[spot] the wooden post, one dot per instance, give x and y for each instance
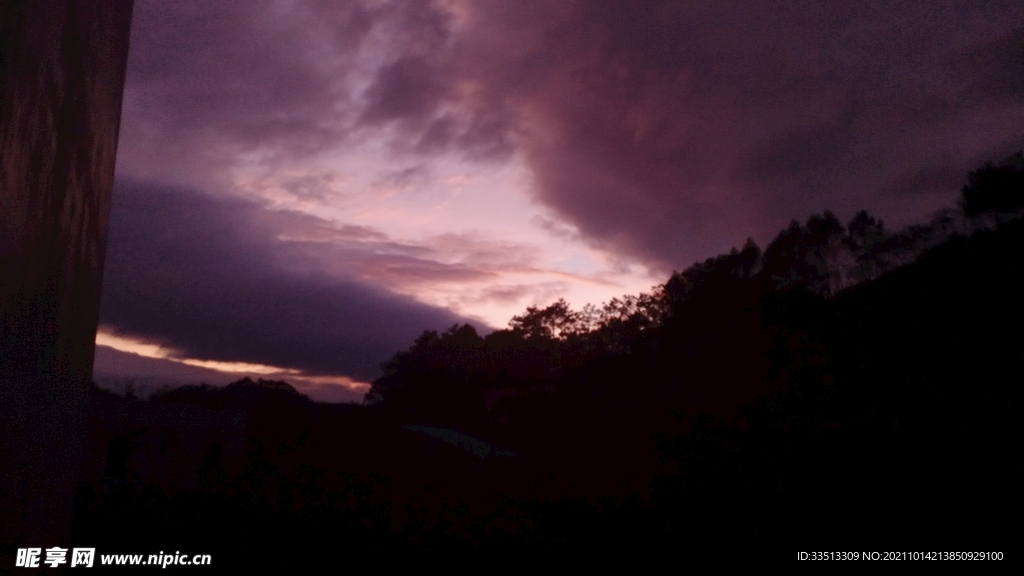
(62, 68)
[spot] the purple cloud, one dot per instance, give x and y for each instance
(206, 276)
(662, 131)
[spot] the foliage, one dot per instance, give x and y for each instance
(556, 322)
(744, 399)
(808, 255)
(995, 189)
(711, 314)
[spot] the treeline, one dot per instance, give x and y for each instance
(849, 354)
(705, 319)
(846, 385)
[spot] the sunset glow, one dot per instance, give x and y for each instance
(310, 384)
(304, 188)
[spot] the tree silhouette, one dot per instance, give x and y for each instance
(437, 381)
(557, 321)
(864, 235)
(714, 274)
(807, 256)
(825, 246)
(732, 403)
(995, 189)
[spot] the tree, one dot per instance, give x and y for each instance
(556, 322)
(711, 275)
(437, 381)
(807, 255)
(995, 189)
(865, 235)
(825, 245)
(783, 257)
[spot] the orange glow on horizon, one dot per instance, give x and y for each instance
(301, 380)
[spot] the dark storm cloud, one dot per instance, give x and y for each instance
(402, 89)
(667, 130)
(207, 277)
(673, 130)
(994, 69)
(929, 179)
(209, 80)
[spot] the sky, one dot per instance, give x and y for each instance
(303, 187)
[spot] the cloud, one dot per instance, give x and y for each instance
(208, 81)
(208, 277)
(115, 369)
(928, 179)
(665, 131)
(404, 88)
(402, 179)
(672, 131)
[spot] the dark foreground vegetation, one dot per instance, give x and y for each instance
(847, 387)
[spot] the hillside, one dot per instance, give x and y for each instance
(735, 410)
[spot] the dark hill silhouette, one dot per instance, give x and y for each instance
(847, 386)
